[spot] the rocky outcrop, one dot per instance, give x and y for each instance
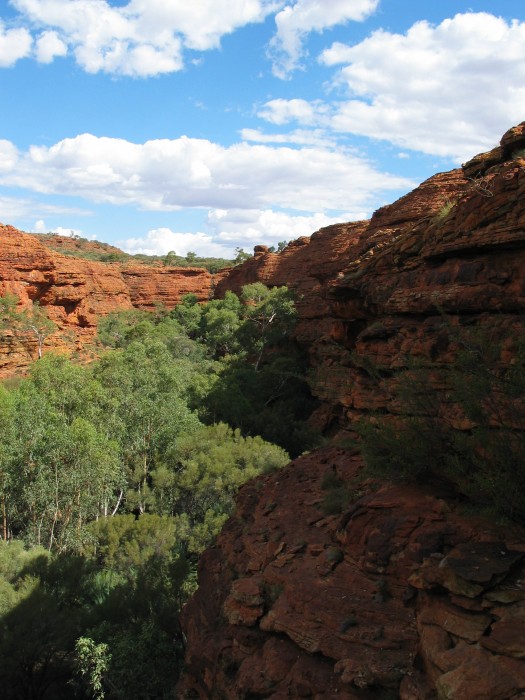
(401, 595)
(398, 596)
(75, 292)
(377, 291)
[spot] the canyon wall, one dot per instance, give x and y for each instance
(76, 292)
(451, 253)
(404, 594)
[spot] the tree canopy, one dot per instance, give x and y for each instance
(114, 476)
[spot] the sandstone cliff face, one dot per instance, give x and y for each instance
(379, 290)
(398, 597)
(75, 293)
(402, 595)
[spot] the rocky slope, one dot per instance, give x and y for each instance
(378, 291)
(402, 595)
(75, 292)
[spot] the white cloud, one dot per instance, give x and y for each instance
(162, 240)
(16, 208)
(447, 90)
(49, 46)
(232, 228)
(164, 175)
(8, 156)
(41, 227)
(297, 20)
(14, 44)
(300, 137)
(281, 111)
(252, 227)
(143, 37)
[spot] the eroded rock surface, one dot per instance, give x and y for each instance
(400, 593)
(395, 290)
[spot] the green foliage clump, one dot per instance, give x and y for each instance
(201, 474)
(30, 326)
(445, 210)
(116, 475)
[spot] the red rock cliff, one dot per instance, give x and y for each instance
(400, 596)
(76, 292)
(378, 289)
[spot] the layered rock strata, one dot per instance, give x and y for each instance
(452, 252)
(75, 293)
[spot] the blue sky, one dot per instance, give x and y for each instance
(161, 125)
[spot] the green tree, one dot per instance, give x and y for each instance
(201, 474)
(92, 661)
(64, 463)
(8, 304)
(269, 317)
(188, 313)
(149, 409)
(7, 430)
(467, 429)
(171, 258)
(240, 256)
(220, 324)
(114, 328)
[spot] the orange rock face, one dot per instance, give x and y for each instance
(75, 293)
(378, 290)
(400, 595)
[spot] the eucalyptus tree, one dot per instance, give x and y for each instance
(149, 409)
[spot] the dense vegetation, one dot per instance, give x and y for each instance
(113, 477)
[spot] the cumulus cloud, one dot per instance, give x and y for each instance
(297, 20)
(8, 155)
(281, 111)
(160, 241)
(251, 227)
(300, 137)
(15, 44)
(41, 227)
(228, 229)
(141, 38)
(447, 90)
(165, 175)
(49, 46)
